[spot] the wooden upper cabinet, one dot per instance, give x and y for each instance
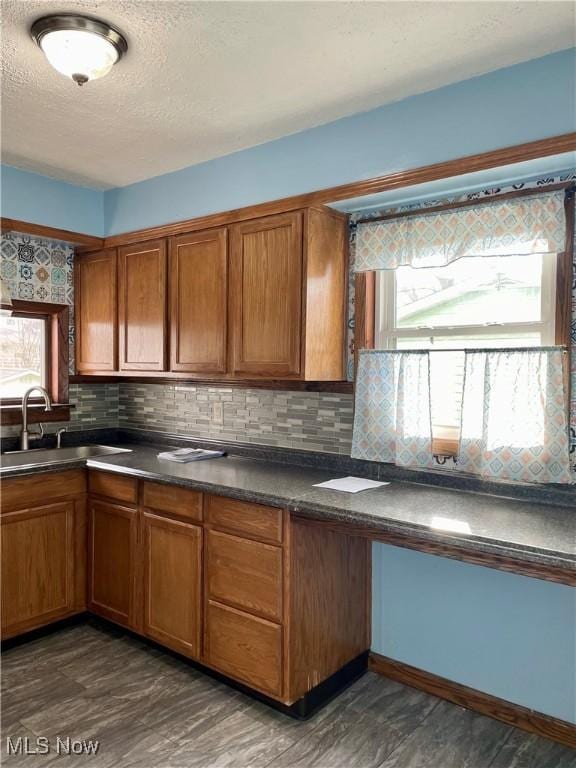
(96, 312)
(326, 259)
(259, 299)
(142, 306)
(266, 267)
(198, 299)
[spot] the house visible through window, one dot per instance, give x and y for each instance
(474, 302)
(23, 354)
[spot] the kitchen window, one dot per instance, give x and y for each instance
(34, 352)
(439, 292)
(23, 354)
(475, 302)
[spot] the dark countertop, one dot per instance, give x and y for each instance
(537, 532)
(533, 532)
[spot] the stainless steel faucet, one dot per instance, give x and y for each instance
(24, 435)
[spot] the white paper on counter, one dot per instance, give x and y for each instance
(350, 484)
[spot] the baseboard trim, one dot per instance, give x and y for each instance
(484, 703)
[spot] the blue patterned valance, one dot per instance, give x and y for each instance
(511, 227)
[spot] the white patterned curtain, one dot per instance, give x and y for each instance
(514, 421)
(511, 227)
(392, 421)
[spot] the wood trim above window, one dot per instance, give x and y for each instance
(57, 374)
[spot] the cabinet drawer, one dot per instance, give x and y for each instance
(246, 574)
(113, 486)
(253, 520)
(21, 492)
(247, 648)
(172, 499)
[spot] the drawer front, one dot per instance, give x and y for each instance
(245, 574)
(174, 500)
(245, 519)
(113, 486)
(244, 647)
(21, 492)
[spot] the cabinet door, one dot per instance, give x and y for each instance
(37, 566)
(96, 312)
(172, 583)
(198, 296)
(142, 306)
(266, 295)
(112, 561)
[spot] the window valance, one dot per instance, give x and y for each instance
(511, 227)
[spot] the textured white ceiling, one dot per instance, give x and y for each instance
(203, 79)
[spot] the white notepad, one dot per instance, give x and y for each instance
(350, 484)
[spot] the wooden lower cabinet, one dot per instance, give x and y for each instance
(275, 603)
(43, 550)
(244, 647)
(112, 557)
(172, 583)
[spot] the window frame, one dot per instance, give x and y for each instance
(365, 329)
(57, 357)
(386, 331)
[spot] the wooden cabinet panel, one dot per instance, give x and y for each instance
(326, 239)
(199, 296)
(113, 561)
(113, 486)
(96, 312)
(25, 491)
(173, 500)
(245, 574)
(266, 296)
(329, 608)
(256, 521)
(247, 648)
(38, 559)
(142, 306)
(172, 583)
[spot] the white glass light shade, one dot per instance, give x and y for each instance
(79, 47)
(79, 54)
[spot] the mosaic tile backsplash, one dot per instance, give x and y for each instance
(307, 420)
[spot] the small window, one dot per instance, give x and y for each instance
(23, 354)
(447, 308)
(33, 352)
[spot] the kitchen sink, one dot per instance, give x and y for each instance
(38, 457)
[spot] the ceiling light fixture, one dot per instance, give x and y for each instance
(79, 47)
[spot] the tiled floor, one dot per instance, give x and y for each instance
(149, 710)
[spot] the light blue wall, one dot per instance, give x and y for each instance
(38, 199)
(523, 103)
(511, 636)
